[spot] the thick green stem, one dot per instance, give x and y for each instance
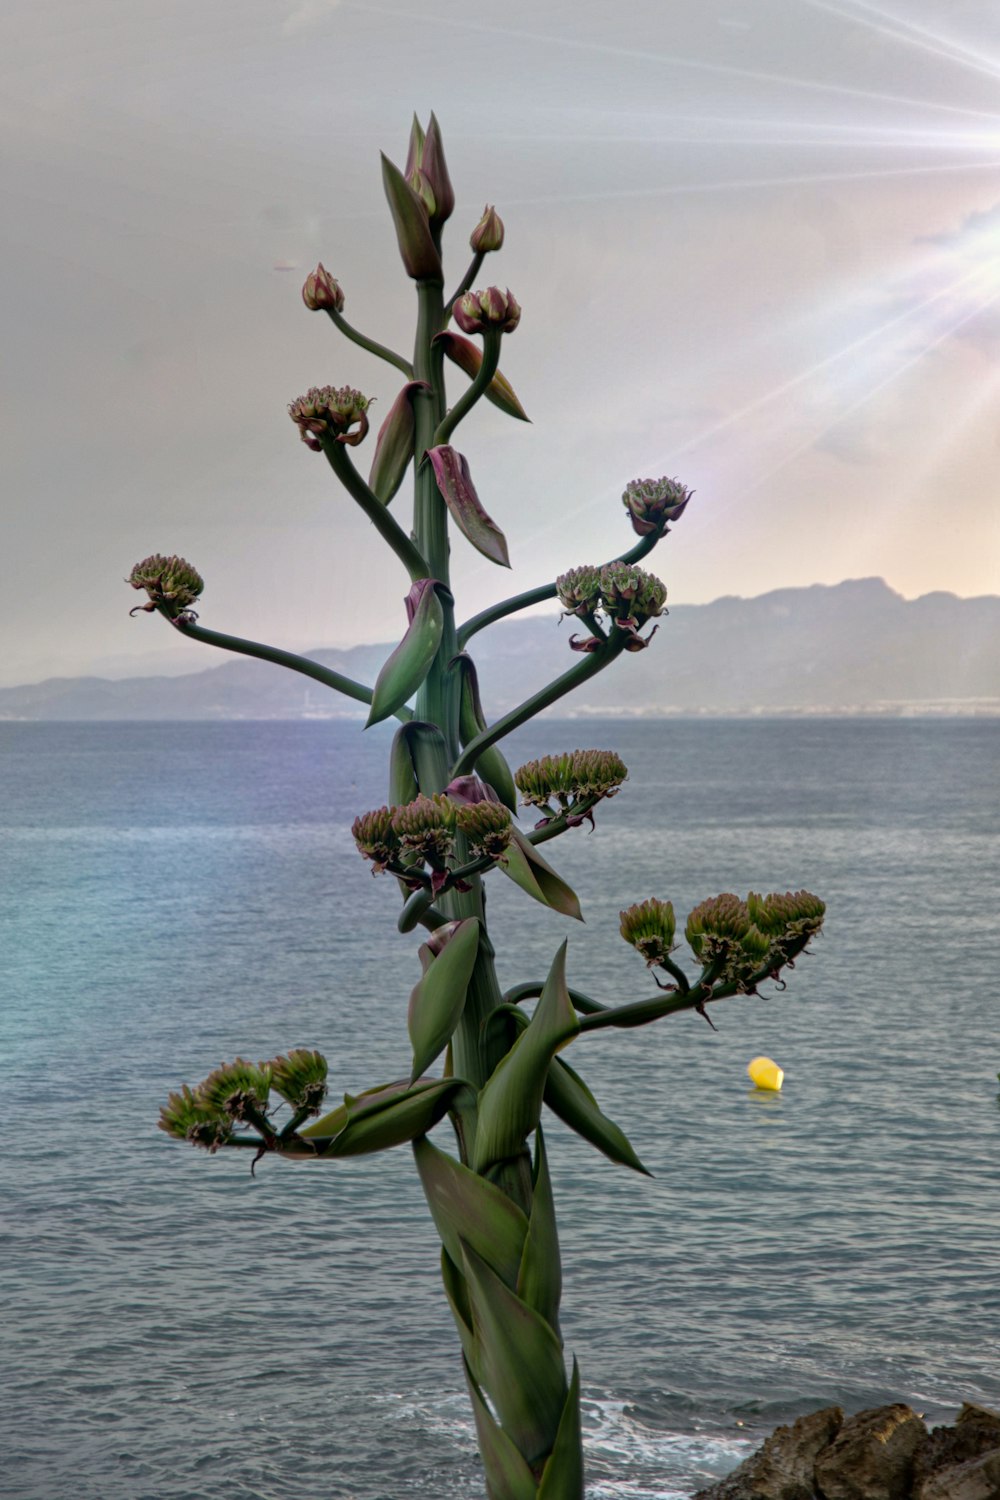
(313, 669)
(538, 596)
(478, 387)
(532, 988)
(580, 672)
(380, 350)
(387, 526)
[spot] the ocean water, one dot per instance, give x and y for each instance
(173, 895)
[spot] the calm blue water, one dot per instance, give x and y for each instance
(175, 894)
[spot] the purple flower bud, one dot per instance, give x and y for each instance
(488, 233)
(491, 308)
(322, 291)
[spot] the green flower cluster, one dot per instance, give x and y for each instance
(628, 595)
(238, 1092)
(743, 940)
(649, 926)
(422, 832)
(171, 583)
(570, 783)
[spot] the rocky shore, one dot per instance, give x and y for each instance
(884, 1453)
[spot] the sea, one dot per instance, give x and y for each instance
(176, 894)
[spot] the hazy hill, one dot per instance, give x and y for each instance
(854, 647)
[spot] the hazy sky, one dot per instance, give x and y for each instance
(757, 245)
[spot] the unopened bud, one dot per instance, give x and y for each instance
(794, 914)
(488, 233)
(237, 1090)
(476, 311)
(649, 927)
(569, 778)
(188, 1118)
(375, 837)
(487, 827)
(300, 1078)
(426, 826)
(322, 291)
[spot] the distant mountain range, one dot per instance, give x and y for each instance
(853, 647)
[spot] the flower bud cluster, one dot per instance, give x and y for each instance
(653, 502)
(237, 1090)
(487, 827)
(171, 583)
(237, 1093)
(187, 1118)
(628, 595)
(300, 1078)
(423, 832)
(476, 311)
(649, 926)
(741, 940)
(322, 291)
(330, 411)
(571, 783)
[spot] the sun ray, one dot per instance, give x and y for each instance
(911, 35)
(810, 442)
(798, 179)
(721, 70)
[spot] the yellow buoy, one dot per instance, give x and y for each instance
(765, 1074)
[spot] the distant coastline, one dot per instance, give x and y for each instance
(853, 649)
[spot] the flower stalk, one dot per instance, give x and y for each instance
(479, 1060)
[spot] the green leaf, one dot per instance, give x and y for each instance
(384, 1117)
(466, 1207)
(520, 1360)
(413, 232)
(568, 1096)
(510, 1102)
(418, 761)
(539, 1281)
(507, 1475)
(562, 1477)
(491, 765)
(395, 444)
(409, 664)
(533, 874)
(468, 356)
(457, 1292)
(438, 999)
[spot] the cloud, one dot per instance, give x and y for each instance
(308, 13)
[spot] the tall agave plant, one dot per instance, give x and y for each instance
(483, 1059)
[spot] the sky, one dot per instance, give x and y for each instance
(756, 244)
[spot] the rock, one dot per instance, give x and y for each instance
(977, 1479)
(783, 1468)
(976, 1431)
(873, 1456)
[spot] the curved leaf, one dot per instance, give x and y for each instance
(468, 356)
(533, 874)
(466, 1207)
(510, 1102)
(451, 470)
(438, 999)
(381, 1118)
(394, 445)
(562, 1477)
(568, 1096)
(539, 1281)
(520, 1360)
(507, 1474)
(409, 664)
